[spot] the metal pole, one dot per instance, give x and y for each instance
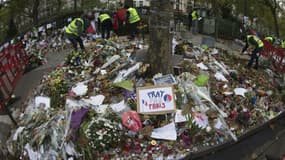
(216, 28)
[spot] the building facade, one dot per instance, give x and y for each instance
(141, 3)
(178, 5)
(181, 6)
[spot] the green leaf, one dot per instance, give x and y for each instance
(126, 84)
(201, 80)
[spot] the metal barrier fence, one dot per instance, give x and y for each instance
(275, 55)
(220, 28)
(215, 27)
(13, 60)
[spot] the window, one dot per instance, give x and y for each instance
(137, 3)
(140, 3)
(177, 5)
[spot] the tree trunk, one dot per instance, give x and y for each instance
(59, 5)
(245, 7)
(82, 4)
(12, 29)
(276, 24)
(160, 46)
(273, 8)
(36, 12)
(75, 5)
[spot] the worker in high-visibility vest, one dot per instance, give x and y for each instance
(105, 24)
(270, 39)
(195, 17)
(256, 44)
(75, 30)
(132, 20)
(283, 44)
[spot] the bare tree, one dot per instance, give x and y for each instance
(75, 5)
(58, 5)
(274, 7)
(28, 8)
(35, 12)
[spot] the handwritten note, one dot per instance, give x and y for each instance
(167, 132)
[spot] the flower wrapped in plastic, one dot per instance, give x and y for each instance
(100, 133)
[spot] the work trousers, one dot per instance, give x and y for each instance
(133, 28)
(74, 40)
(254, 57)
(106, 28)
(194, 27)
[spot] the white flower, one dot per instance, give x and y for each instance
(102, 144)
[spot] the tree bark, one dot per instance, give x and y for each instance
(59, 5)
(12, 29)
(276, 24)
(75, 5)
(35, 12)
(273, 8)
(82, 4)
(214, 9)
(160, 46)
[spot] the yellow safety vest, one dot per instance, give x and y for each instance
(103, 17)
(194, 16)
(269, 39)
(72, 27)
(259, 42)
(283, 44)
(134, 16)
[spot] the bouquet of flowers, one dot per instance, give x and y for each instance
(100, 133)
(76, 58)
(56, 89)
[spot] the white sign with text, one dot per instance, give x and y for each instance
(156, 100)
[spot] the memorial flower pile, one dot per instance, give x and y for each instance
(105, 108)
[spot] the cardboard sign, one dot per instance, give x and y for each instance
(165, 79)
(155, 100)
(41, 101)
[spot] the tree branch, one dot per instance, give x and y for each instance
(27, 13)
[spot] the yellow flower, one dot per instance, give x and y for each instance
(153, 142)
